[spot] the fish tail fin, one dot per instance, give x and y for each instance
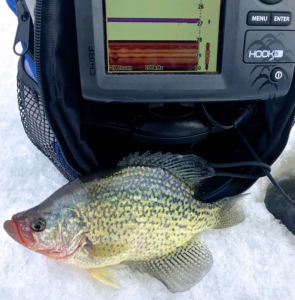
(230, 214)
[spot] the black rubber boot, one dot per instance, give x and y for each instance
(279, 206)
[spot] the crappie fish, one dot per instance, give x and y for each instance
(142, 214)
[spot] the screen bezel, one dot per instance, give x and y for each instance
(129, 86)
(185, 72)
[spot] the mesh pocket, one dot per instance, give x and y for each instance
(36, 124)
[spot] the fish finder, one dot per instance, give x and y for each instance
(148, 51)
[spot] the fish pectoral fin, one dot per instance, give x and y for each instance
(190, 169)
(230, 214)
(104, 275)
(181, 269)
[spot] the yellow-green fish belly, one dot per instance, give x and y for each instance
(138, 213)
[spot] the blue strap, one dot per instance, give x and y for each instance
(12, 6)
(69, 170)
(32, 66)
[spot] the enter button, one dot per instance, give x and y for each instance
(281, 19)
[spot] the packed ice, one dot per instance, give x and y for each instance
(253, 260)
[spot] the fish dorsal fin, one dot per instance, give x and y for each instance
(189, 169)
(181, 269)
(104, 275)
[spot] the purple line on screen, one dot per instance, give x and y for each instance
(153, 20)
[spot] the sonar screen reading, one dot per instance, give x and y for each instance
(161, 36)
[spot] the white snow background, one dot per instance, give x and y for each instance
(254, 260)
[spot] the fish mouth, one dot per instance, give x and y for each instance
(12, 228)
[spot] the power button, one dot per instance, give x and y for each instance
(277, 74)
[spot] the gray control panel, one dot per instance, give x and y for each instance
(253, 54)
(268, 47)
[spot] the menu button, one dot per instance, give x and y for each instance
(258, 18)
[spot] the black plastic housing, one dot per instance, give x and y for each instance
(245, 74)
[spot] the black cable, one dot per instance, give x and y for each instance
(214, 122)
(245, 113)
(241, 164)
(243, 176)
(248, 145)
(273, 181)
(214, 192)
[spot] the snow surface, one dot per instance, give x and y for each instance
(254, 260)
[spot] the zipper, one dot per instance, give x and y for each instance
(25, 30)
(37, 50)
(279, 135)
(291, 111)
(37, 47)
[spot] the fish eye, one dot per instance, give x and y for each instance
(38, 224)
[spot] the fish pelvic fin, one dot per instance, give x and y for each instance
(231, 213)
(189, 169)
(181, 269)
(104, 275)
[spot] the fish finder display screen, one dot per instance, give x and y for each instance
(152, 36)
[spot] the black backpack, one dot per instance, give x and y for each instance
(80, 136)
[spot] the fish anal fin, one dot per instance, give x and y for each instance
(181, 269)
(104, 275)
